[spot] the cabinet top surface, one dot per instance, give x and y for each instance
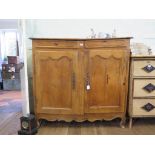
(80, 39)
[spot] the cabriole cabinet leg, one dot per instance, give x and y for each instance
(122, 123)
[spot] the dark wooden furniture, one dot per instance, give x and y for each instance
(13, 59)
(28, 125)
(80, 79)
(11, 76)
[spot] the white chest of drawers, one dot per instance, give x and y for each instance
(142, 87)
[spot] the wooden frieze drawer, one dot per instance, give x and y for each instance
(106, 43)
(144, 68)
(144, 88)
(56, 44)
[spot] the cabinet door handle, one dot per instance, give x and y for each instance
(87, 82)
(107, 79)
(73, 80)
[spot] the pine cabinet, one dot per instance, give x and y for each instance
(80, 79)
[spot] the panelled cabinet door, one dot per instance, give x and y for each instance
(106, 80)
(56, 81)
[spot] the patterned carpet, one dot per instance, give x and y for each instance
(10, 112)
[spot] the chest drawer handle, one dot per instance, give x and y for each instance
(149, 88)
(87, 82)
(148, 107)
(149, 68)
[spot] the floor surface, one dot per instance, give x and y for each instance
(145, 126)
(10, 112)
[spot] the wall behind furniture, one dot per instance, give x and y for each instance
(8, 23)
(143, 31)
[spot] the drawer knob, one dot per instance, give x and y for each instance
(149, 88)
(149, 68)
(148, 107)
